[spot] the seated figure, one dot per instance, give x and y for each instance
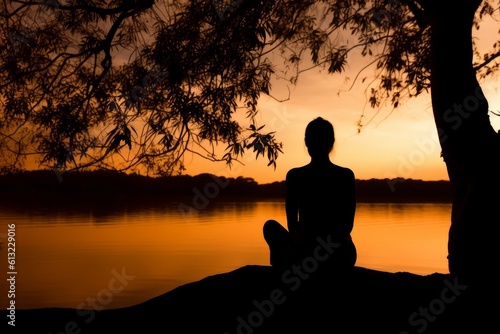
(320, 207)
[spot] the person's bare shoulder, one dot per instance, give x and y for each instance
(344, 171)
(295, 172)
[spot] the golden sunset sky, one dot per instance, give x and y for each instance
(392, 143)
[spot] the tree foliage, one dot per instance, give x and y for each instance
(130, 84)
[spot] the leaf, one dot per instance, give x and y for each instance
(110, 135)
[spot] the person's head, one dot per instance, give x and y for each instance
(319, 137)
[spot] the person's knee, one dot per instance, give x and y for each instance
(271, 222)
(274, 232)
(269, 226)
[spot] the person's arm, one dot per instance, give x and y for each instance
(351, 201)
(348, 203)
(291, 202)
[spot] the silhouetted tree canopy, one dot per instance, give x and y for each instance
(129, 83)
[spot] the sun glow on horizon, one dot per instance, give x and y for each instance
(391, 143)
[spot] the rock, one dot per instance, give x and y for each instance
(260, 300)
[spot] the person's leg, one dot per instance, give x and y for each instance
(341, 261)
(278, 239)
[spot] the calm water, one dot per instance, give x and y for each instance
(116, 259)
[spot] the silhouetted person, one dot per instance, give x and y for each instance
(320, 208)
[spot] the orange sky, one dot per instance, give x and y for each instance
(403, 143)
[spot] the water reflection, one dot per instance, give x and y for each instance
(67, 256)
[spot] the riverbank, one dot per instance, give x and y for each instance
(74, 189)
(261, 300)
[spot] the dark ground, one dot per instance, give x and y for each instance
(258, 299)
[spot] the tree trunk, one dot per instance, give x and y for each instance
(470, 145)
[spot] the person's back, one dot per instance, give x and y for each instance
(320, 205)
(325, 200)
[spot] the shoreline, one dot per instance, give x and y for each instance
(256, 299)
(130, 188)
(115, 201)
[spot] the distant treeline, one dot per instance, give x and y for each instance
(103, 184)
